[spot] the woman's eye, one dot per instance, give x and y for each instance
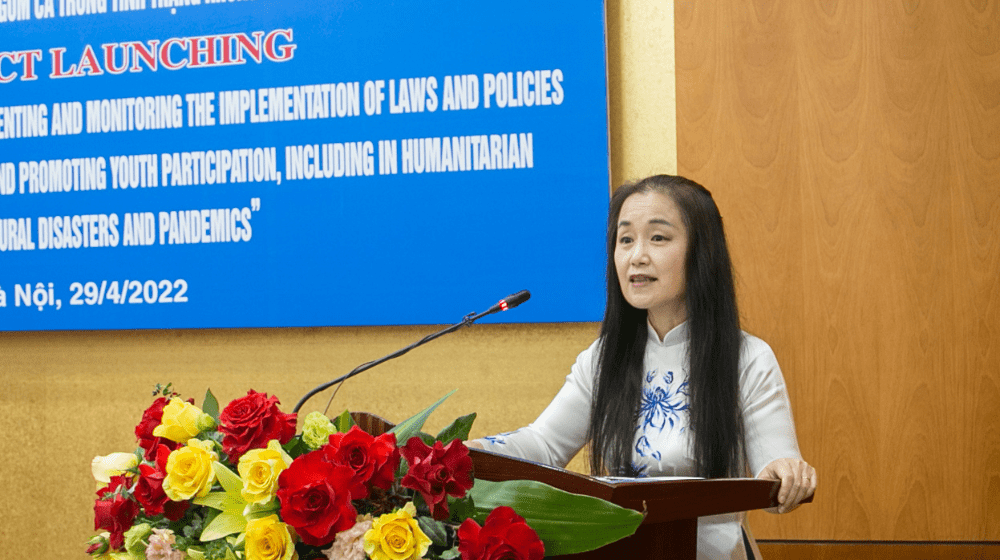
(660, 238)
(624, 239)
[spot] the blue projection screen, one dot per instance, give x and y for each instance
(264, 163)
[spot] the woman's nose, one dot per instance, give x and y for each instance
(640, 254)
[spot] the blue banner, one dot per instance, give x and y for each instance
(264, 163)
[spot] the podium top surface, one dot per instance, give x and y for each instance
(662, 500)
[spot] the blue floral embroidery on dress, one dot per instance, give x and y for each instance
(664, 409)
(639, 471)
(661, 407)
(642, 448)
(499, 439)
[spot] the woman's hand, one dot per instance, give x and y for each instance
(798, 481)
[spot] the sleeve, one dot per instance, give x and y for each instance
(559, 433)
(767, 411)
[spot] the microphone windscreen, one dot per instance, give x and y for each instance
(514, 300)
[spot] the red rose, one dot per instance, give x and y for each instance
(504, 536)
(315, 498)
(114, 511)
(373, 460)
(250, 422)
(149, 489)
(144, 430)
(438, 472)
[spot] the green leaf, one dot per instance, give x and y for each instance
(567, 523)
(295, 448)
(434, 529)
(228, 479)
(461, 509)
(411, 426)
(459, 429)
(210, 405)
(450, 554)
(257, 511)
(344, 422)
(222, 501)
(226, 523)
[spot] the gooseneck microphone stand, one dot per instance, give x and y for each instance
(508, 302)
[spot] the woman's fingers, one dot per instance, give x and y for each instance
(805, 477)
(793, 481)
(798, 481)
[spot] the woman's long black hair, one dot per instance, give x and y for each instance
(713, 326)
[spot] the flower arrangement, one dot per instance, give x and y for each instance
(240, 483)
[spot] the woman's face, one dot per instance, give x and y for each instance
(650, 250)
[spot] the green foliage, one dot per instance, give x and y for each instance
(165, 390)
(219, 550)
(567, 523)
(411, 427)
(230, 503)
(344, 422)
(461, 509)
(435, 530)
(426, 438)
(296, 447)
(210, 406)
(459, 429)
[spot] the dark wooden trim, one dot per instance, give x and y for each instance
(878, 550)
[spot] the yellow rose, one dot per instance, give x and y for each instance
(396, 536)
(189, 470)
(259, 469)
(269, 539)
(106, 466)
(182, 421)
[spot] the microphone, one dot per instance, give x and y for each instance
(509, 302)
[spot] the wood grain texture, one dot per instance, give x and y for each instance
(777, 550)
(854, 150)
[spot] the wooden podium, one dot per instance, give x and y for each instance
(670, 529)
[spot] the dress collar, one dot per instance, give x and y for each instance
(676, 335)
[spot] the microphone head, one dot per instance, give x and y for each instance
(512, 301)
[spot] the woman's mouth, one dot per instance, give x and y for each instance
(639, 280)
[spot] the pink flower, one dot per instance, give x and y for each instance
(161, 546)
(350, 544)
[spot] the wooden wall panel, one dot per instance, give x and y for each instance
(778, 550)
(854, 148)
